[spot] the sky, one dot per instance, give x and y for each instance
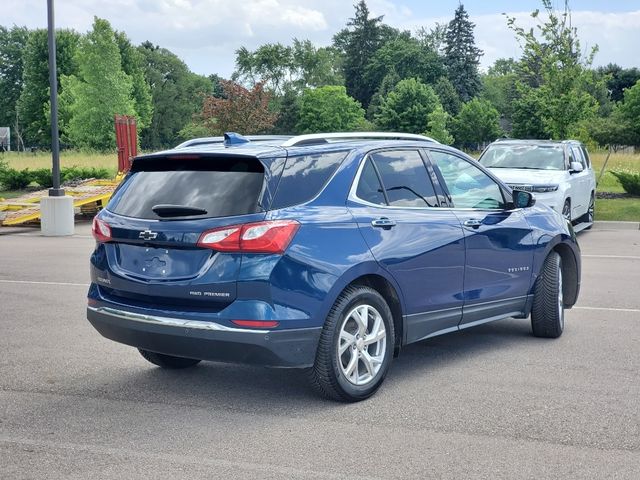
(206, 33)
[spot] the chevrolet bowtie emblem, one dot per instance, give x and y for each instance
(148, 235)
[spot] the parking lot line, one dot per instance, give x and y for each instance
(626, 257)
(632, 310)
(46, 283)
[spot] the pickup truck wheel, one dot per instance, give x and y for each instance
(168, 361)
(547, 314)
(355, 348)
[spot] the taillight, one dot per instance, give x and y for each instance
(101, 230)
(262, 237)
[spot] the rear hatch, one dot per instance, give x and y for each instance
(155, 219)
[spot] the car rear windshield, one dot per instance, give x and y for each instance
(220, 187)
(535, 157)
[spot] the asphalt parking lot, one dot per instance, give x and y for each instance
(489, 402)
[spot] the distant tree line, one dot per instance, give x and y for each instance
(372, 76)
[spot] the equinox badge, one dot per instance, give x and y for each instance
(148, 235)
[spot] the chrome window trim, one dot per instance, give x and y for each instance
(170, 322)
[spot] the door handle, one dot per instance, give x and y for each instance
(472, 222)
(383, 222)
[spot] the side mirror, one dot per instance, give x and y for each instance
(523, 199)
(575, 167)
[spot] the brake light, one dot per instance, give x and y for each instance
(101, 230)
(262, 237)
(256, 323)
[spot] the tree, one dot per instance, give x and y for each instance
(327, 109)
(477, 122)
(358, 43)
(554, 66)
(406, 57)
(448, 96)
(461, 56)
(499, 88)
(176, 94)
(12, 44)
(407, 107)
(241, 110)
(527, 115)
(271, 64)
(132, 63)
(316, 67)
(437, 122)
(629, 111)
(288, 107)
(34, 98)
(619, 79)
(99, 91)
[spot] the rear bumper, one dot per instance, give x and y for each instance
(293, 348)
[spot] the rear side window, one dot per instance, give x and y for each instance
(405, 178)
(304, 176)
(220, 186)
(369, 188)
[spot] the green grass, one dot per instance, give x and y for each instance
(617, 161)
(32, 161)
(11, 193)
(620, 209)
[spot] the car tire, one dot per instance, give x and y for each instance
(168, 361)
(590, 216)
(547, 313)
(566, 209)
(348, 366)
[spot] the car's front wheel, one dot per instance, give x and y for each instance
(168, 361)
(547, 314)
(566, 209)
(356, 346)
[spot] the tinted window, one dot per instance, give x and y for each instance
(221, 187)
(536, 157)
(369, 188)
(405, 179)
(468, 186)
(304, 177)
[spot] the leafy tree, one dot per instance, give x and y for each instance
(316, 67)
(359, 42)
(405, 56)
(448, 96)
(176, 93)
(407, 107)
(499, 86)
(271, 64)
(619, 79)
(461, 56)
(132, 62)
(241, 110)
(503, 67)
(629, 112)
(329, 108)
(434, 38)
(34, 98)
(388, 83)
(527, 115)
(99, 91)
(289, 113)
(437, 122)
(553, 64)
(12, 44)
(477, 122)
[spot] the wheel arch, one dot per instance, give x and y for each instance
(570, 287)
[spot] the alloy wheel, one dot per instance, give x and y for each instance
(362, 345)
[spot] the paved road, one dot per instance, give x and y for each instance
(490, 402)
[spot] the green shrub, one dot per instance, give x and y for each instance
(43, 177)
(81, 173)
(630, 181)
(13, 179)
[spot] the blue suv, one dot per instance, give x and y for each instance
(325, 252)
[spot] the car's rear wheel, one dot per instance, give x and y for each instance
(589, 217)
(566, 209)
(168, 361)
(355, 348)
(547, 314)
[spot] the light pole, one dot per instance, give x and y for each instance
(56, 191)
(56, 210)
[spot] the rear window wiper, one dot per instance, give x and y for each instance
(177, 210)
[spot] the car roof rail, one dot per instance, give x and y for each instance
(319, 138)
(220, 140)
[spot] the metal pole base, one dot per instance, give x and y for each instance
(56, 216)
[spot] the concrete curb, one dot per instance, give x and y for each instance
(613, 225)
